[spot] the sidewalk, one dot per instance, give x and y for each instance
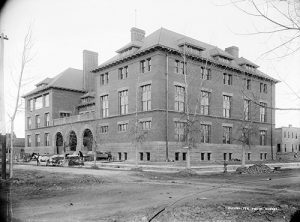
(174, 167)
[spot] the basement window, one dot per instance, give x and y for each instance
(148, 156)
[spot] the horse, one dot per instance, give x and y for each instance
(40, 159)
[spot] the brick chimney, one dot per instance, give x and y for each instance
(90, 62)
(137, 34)
(233, 50)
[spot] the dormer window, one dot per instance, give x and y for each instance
(223, 59)
(248, 67)
(191, 49)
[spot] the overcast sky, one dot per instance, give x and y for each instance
(62, 29)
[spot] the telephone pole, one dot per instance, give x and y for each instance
(2, 107)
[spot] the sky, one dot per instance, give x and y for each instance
(62, 29)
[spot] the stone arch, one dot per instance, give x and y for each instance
(87, 140)
(71, 140)
(80, 137)
(59, 143)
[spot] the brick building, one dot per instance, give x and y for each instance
(155, 90)
(287, 139)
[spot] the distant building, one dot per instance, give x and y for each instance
(19, 145)
(96, 108)
(287, 139)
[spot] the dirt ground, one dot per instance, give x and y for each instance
(75, 194)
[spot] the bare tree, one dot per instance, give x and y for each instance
(25, 60)
(283, 17)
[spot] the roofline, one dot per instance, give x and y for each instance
(174, 51)
(52, 87)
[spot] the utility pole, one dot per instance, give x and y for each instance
(2, 107)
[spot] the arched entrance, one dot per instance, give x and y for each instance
(59, 143)
(72, 141)
(87, 140)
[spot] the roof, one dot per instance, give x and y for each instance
(242, 61)
(172, 40)
(69, 79)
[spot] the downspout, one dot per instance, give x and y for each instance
(167, 108)
(272, 120)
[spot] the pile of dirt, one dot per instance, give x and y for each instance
(255, 169)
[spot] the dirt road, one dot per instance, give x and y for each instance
(68, 194)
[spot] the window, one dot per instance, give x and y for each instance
(141, 156)
(179, 131)
(179, 98)
(104, 106)
(125, 156)
(123, 72)
(28, 123)
(227, 79)
(226, 106)
(148, 156)
(248, 83)
(262, 137)
(146, 125)
(261, 156)
(123, 101)
(224, 156)
(64, 114)
(103, 129)
(204, 104)
(284, 134)
(176, 156)
(30, 104)
(205, 73)
(37, 121)
(46, 100)
(37, 140)
(122, 127)
(265, 154)
(47, 119)
(120, 156)
(249, 156)
(184, 156)
(28, 141)
(145, 65)
(288, 134)
(47, 139)
(226, 134)
(208, 156)
(246, 109)
(146, 97)
(263, 114)
(284, 147)
(179, 67)
(205, 133)
(38, 102)
(292, 135)
(202, 156)
(104, 79)
(263, 88)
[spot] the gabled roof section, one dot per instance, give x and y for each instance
(70, 79)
